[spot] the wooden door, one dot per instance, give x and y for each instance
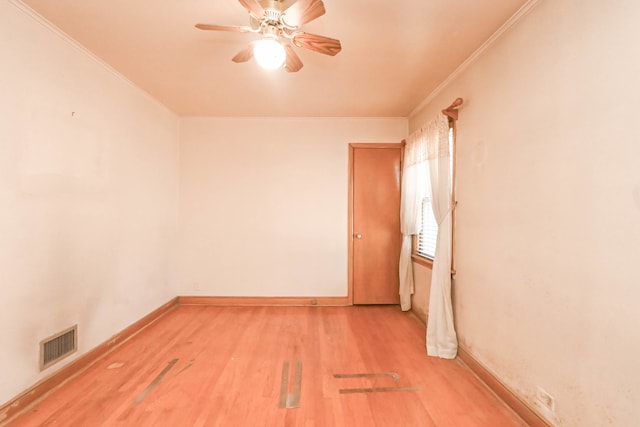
(375, 223)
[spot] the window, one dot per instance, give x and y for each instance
(425, 245)
(426, 241)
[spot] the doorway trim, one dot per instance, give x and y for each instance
(352, 147)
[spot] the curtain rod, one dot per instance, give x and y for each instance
(451, 110)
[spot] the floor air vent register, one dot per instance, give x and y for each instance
(58, 346)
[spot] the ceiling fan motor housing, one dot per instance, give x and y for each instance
(271, 16)
(271, 31)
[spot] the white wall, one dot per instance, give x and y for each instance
(548, 230)
(88, 195)
(264, 203)
(422, 287)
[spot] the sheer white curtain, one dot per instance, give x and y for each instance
(414, 186)
(441, 335)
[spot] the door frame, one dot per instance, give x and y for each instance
(352, 147)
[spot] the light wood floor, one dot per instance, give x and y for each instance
(223, 366)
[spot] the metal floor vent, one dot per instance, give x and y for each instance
(58, 346)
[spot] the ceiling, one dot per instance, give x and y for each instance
(394, 53)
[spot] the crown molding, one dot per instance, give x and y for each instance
(31, 13)
(516, 17)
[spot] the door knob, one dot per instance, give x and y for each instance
(358, 236)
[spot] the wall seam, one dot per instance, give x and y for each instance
(28, 11)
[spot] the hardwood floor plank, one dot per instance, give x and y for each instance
(228, 372)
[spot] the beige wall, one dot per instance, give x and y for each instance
(88, 192)
(549, 208)
(264, 203)
(422, 287)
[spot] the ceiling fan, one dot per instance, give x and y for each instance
(278, 22)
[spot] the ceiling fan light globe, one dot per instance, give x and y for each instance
(269, 54)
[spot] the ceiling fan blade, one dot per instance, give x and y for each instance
(304, 11)
(320, 44)
(244, 55)
(293, 63)
(254, 7)
(233, 28)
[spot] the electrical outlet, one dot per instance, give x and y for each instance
(545, 400)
